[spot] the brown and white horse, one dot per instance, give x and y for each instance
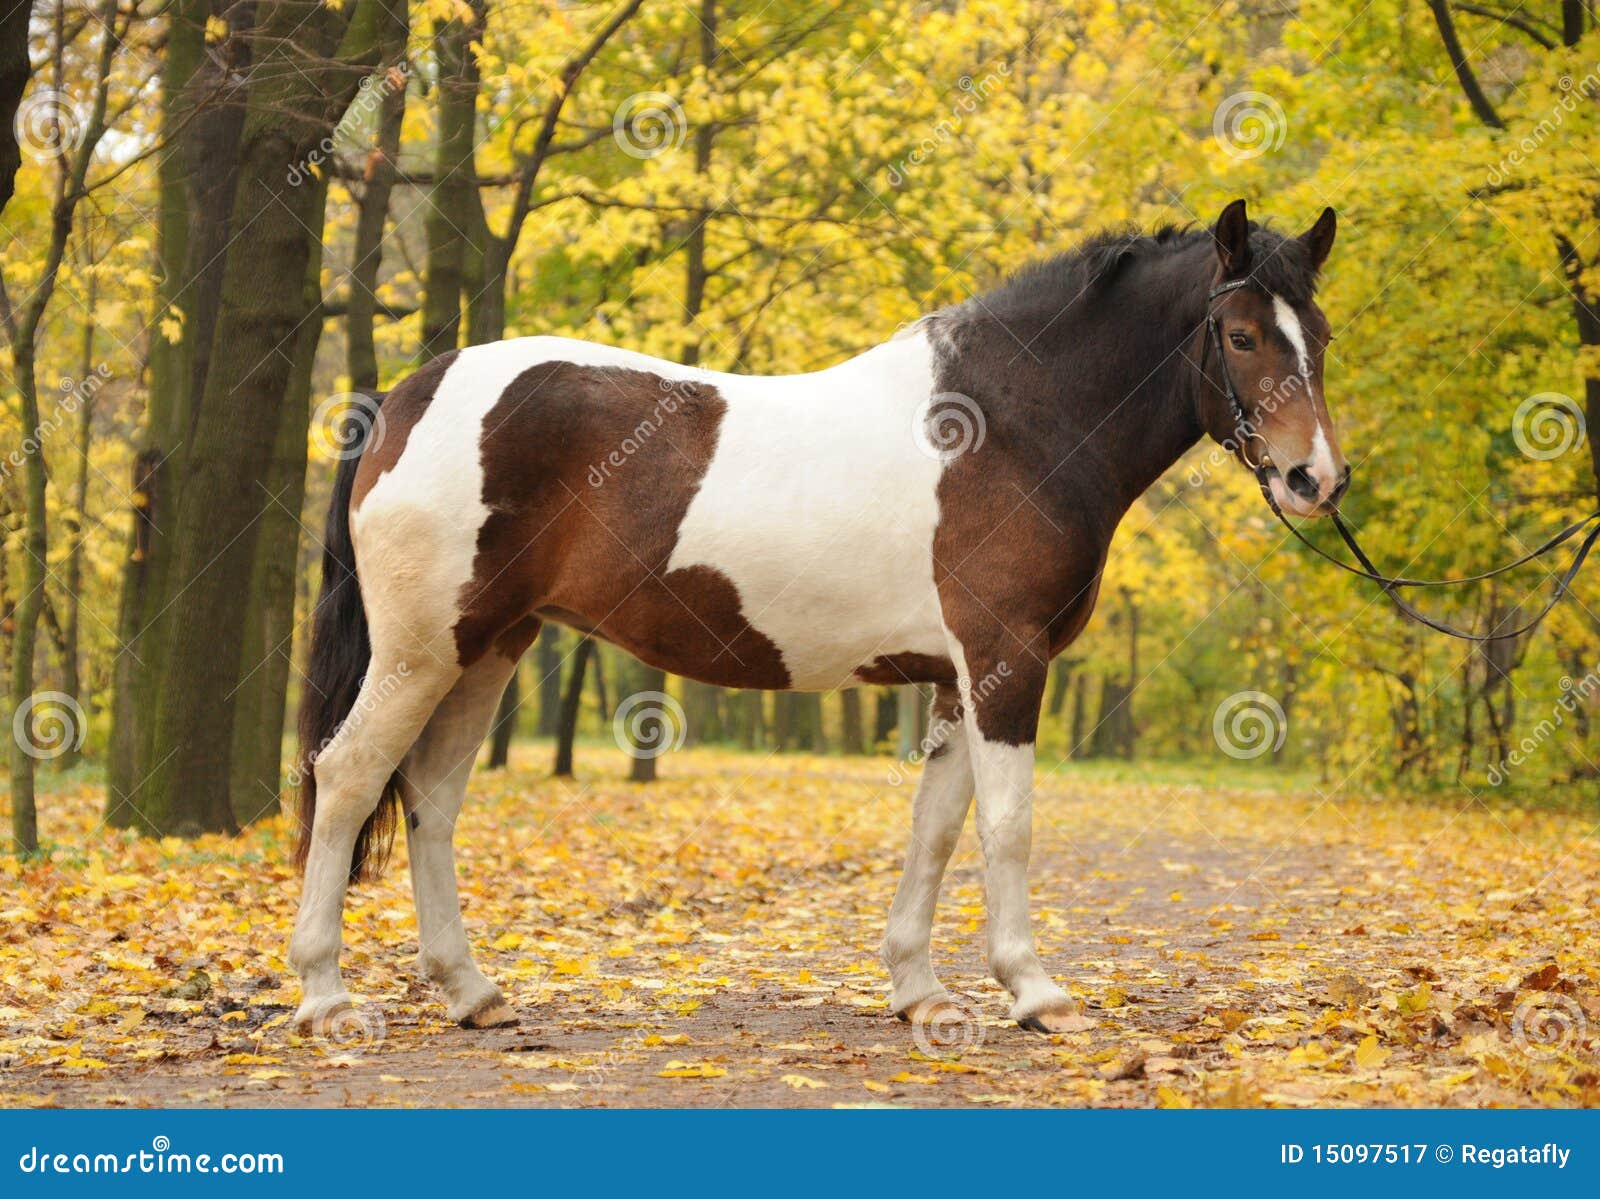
(936, 510)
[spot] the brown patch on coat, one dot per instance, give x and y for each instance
(892, 670)
(588, 474)
(402, 409)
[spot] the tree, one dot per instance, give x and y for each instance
(307, 62)
(71, 163)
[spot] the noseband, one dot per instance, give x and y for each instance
(1390, 584)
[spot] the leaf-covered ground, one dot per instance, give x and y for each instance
(711, 940)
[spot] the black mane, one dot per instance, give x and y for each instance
(1279, 264)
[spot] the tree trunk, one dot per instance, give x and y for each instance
(1080, 695)
(601, 696)
(907, 720)
(454, 179)
(549, 660)
(14, 71)
(268, 640)
(505, 721)
(72, 683)
(155, 481)
(373, 216)
(647, 681)
(850, 736)
(25, 616)
(299, 90)
(886, 714)
(567, 726)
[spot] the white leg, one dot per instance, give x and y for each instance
(1004, 775)
(937, 814)
(434, 788)
(395, 702)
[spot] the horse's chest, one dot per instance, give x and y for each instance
(821, 510)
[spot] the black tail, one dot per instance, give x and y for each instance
(340, 651)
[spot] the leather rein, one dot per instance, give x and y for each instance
(1391, 585)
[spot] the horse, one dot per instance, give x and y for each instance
(936, 510)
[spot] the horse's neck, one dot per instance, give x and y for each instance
(1110, 401)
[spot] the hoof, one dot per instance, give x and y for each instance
(496, 1013)
(1054, 1020)
(936, 1009)
(317, 1017)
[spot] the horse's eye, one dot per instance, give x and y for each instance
(1241, 341)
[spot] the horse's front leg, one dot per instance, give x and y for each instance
(937, 813)
(1001, 698)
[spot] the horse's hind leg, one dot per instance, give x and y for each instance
(396, 698)
(939, 810)
(433, 787)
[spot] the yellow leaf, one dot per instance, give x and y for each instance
(691, 1070)
(1370, 1055)
(801, 1083)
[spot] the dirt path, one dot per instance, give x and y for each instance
(713, 942)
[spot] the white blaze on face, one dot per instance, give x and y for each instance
(1321, 462)
(1289, 326)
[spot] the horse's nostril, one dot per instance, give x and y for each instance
(1300, 482)
(1344, 486)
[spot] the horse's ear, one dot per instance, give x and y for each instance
(1319, 238)
(1232, 235)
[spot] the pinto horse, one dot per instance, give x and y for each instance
(935, 510)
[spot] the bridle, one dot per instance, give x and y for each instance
(1243, 433)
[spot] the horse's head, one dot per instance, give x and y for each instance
(1264, 343)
